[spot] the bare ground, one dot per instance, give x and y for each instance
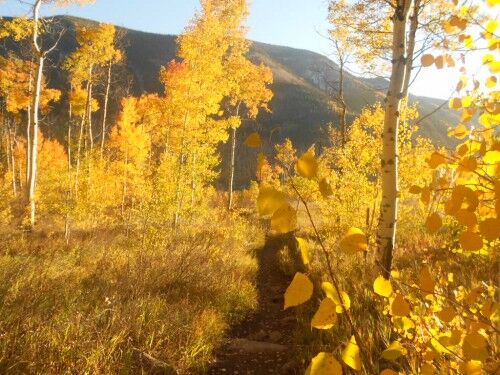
(262, 344)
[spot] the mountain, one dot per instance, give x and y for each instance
(301, 106)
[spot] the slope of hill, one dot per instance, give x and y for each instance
(301, 106)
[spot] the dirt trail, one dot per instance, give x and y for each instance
(262, 343)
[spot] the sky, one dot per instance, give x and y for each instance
(293, 23)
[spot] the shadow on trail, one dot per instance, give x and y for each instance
(262, 344)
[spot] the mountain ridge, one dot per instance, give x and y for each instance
(301, 105)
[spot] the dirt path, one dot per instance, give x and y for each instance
(262, 343)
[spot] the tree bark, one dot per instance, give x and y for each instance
(70, 119)
(80, 141)
(178, 188)
(31, 188)
(180, 169)
(89, 109)
(193, 180)
(12, 157)
(343, 113)
(386, 233)
(233, 162)
(411, 46)
(231, 171)
(105, 110)
(28, 128)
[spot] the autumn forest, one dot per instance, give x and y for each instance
(205, 204)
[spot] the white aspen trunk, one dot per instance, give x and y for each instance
(34, 142)
(343, 114)
(233, 163)
(28, 128)
(178, 188)
(79, 154)
(411, 46)
(70, 119)
(231, 171)
(80, 143)
(8, 149)
(105, 110)
(11, 139)
(180, 169)
(125, 185)
(33, 155)
(386, 233)
(89, 109)
(193, 180)
(67, 221)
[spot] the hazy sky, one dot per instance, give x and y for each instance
(295, 23)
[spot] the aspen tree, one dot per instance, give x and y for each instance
(386, 234)
(41, 54)
(249, 93)
(198, 86)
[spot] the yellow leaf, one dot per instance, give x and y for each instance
(427, 60)
(399, 306)
(284, 219)
(466, 217)
(491, 26)
(488, 120)
(415, 189)
(307, 165)
(425, 195)
(325, 188)
(331, 293)
(355, 240)
(494, 67)
(388, 371)
(472, 368)
(394, 351)
(460, 132)
(436, 160)
(350, 355)
(299, 291)
(395, 274)
(253, 140)
(466, 101)
(490, 229)
(427, 369)
(446, 314)
(439, 62)
(269, 200)
(471, 241)
(403, 323)
(455, 103)
(382, 286)
(468, 164)
(426, 283)
(326, 316)
(475, 347)
(492, 157)
(324, 364)
(491, 82)
(488, 58)
(445, 342)
(433, 223)
(304, 250)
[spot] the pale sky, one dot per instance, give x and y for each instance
(294, 23)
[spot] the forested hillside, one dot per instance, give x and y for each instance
(302, 85)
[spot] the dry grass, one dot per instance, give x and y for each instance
(108, 301)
